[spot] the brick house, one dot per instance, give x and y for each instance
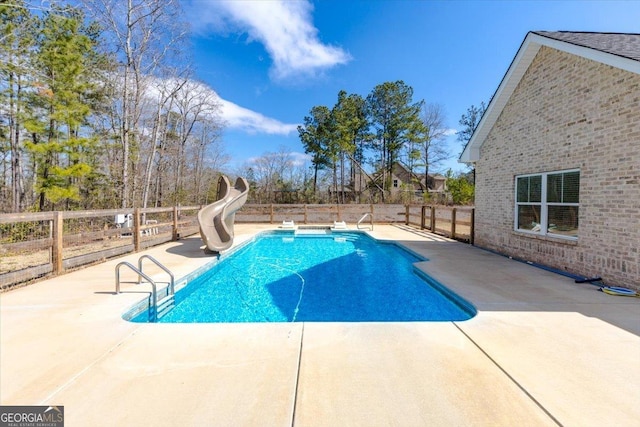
(557, 156)
(403, 178)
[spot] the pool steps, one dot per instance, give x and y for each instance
(165, 305)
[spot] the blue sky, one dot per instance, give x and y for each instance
(272, 61)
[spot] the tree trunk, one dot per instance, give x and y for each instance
(17, 185)
(124, 128)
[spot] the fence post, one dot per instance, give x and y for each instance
(175, 234)
(423, 210)
(432, 220)
(472, 232)
(406, 214)
(371, 207)
(338, 210)
(271, 213)
(305, 213)
(136, 230)
(58, 231)
(453, 223)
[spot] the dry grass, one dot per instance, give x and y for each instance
(26, 259)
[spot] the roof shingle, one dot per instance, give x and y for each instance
(626, 45)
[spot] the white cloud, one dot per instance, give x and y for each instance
(300, 159)
(233, 115)
(250, 121)
(285, 28)
(297, 158)
(450, 132)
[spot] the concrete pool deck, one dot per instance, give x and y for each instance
(541, 351)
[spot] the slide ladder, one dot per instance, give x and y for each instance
(158, 308)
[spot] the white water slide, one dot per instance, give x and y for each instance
(216, 220)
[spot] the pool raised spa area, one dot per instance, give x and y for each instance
(313, 276)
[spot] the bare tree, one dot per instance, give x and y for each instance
(17, 40)
(433, 148)
(209, 157)
(185, 128)
(193, 103)
(145, 35)
(166, 89)
(271, 171)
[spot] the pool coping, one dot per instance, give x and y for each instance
(466, 306)
(542, 350)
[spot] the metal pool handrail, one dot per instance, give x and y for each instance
(172, 287)
(154, 301)
(362, 219)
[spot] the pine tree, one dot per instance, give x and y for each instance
(351, 125)
(396, 119)
(470, 121)
(59, 107)
(315, 135)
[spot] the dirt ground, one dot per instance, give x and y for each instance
(25, 259)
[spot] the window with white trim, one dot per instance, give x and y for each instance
(548, 203)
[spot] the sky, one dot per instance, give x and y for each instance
(270, 62)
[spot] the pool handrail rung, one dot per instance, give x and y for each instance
(362, 219)
(172, 288)
(154, 300)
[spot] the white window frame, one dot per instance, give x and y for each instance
(544, 205)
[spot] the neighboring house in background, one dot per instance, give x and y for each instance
(401, 180)
(557, 156)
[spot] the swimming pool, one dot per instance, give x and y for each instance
(325, 277)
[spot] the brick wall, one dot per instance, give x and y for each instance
(568, 112)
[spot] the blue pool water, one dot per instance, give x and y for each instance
(341, 277)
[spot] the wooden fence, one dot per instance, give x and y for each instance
(318, 214)
(453, 222)
(35, 245)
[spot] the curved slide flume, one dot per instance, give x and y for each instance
(216, 220)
